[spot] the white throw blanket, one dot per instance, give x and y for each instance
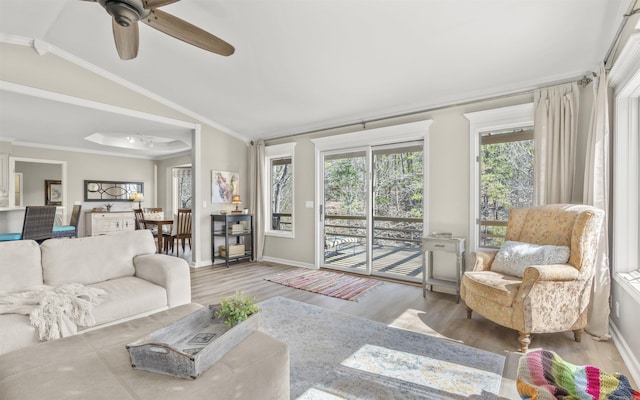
(55, 311)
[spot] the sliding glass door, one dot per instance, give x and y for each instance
(344, 210)
(372, 211)
(398, 212)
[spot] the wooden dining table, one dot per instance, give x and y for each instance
(159, 223)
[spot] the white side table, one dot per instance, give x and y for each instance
(448, 245)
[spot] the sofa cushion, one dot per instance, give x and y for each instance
(93, 259)
(16, 332)
(493, 286)
(20, 266)
(127, 297)
(514, 257)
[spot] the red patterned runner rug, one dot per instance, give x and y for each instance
(342, 286)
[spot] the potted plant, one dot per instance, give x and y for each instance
(237, 308)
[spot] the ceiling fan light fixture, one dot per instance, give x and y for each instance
(124, 14)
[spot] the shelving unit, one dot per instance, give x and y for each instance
(221, 228)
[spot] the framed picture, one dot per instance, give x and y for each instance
(224, 185)
(52, 193)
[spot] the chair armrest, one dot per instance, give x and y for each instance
(172, 273)
(483, 260)
(554, 272)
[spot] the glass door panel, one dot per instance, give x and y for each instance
(345, 210)
(398, 211)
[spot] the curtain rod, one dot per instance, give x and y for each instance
(363, 123)
(625, 17)
(584, 81)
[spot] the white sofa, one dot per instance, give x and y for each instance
(137, 281)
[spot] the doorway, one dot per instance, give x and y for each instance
(372, 210)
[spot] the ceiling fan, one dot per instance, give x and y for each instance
(127, 13)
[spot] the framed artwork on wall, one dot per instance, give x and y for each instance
(52, 192)
(224, 185)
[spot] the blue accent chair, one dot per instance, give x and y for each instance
(37, 225)
(70, 230)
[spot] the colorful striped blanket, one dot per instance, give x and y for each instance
(544, 375)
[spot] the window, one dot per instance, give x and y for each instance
(506, 180)
(625, 80)
(279, 167)
(181, 187)
(498, 182)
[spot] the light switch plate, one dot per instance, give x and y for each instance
(309, 204)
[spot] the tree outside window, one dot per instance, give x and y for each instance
(506, 180)
(281, 194)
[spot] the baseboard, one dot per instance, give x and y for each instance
(625, 352)
(289, 262)
(199, 264)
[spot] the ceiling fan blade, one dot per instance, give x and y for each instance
(187, 32)
(127, 39)
(149, 4)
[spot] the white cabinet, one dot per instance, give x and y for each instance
(106, 223)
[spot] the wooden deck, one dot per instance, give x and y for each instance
(401, 263)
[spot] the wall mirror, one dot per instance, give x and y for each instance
(111, 190)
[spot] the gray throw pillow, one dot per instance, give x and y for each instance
(514, 257)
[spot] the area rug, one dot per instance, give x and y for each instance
(340, 356)
(342, 286)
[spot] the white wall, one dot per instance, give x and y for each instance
(81, 167)
(34, 177)
(24, 66)
(448, 166)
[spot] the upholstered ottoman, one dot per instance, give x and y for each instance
(96, 365)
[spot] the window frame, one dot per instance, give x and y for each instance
(625, 81)
(496, 119)
(275, 152)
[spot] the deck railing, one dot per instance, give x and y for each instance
(492, 233)
(386, 230)
(390, 229)
(281, 221)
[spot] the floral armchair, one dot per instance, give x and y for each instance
(547, 298)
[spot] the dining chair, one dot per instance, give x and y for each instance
(139, 215)
(70, 230)
(37, 225)
(181, 231)
(141, 224)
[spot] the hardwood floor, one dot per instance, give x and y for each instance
(402, 305)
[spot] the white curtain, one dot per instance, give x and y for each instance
(256, 168)
(555, 135)
(596, 193)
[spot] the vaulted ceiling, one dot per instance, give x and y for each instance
(301, 65)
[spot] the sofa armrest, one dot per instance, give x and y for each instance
(554, 272)
(483, 260)
(539, 274)
(172, 273)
